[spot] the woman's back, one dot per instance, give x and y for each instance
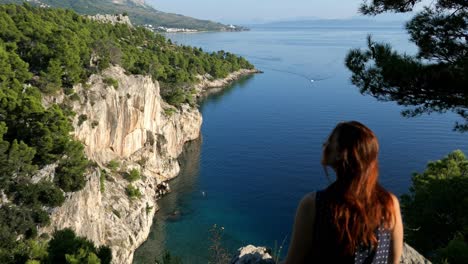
(355, 220)
(329, 249)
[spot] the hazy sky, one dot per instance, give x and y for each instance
(251, 11)
(258, 10)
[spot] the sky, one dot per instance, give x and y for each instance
(252, 11)
(258, 10)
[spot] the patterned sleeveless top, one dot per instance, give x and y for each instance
(327, 249)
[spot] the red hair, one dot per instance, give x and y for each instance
(359, 204)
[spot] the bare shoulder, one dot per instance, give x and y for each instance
(396, 202)
(308, 203)
(309, 198)
(396, 211)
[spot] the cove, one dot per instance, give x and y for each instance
(261, 139)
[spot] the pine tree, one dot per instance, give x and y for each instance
(436, 79)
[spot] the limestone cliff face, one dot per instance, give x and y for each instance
(132, 124)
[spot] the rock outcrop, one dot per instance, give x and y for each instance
(122, 118)
(411, 256)
(261, 255)
(112, 19)
(253, 255)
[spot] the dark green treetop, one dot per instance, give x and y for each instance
(436, 79)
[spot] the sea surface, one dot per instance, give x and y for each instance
(260, 148)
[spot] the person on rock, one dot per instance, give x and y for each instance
(354, 219)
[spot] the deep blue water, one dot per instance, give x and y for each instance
(261, 138)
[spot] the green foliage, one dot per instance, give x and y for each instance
(69, 174)
(113, 165)
(82, 256)
(57, 48)
(148, 208)
(455, 252)
(436, 210)
(133, 175)
(169, 111)
(179, 96)
(28, 251)
(111, 82)
(42, 193)
(133, 192)
(434, 80)
(66, 247)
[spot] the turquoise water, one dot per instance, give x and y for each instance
(261, 138)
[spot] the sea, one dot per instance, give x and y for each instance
(261, 140)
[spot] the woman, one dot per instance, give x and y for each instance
(354, 220)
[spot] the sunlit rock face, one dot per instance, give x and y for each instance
(129, 123)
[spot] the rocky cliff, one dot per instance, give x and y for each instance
(122, 117)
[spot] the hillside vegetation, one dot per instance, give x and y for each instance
(139, 14)
(43, 51)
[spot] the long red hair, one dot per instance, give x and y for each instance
(359, 204)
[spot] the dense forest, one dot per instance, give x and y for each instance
(43, 51)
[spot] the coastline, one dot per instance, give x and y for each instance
(206, 86)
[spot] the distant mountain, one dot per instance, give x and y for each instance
(139, 12)
(352, 22)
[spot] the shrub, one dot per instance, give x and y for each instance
(133, 192)
(133, 175)
(66, 247)
(436, 209)
(49, 194)
(102, 180)
(148, 208)
(113, 165)
(111, 81)
(169, 111)
(69, 174)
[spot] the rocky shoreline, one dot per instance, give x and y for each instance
(208, 86)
